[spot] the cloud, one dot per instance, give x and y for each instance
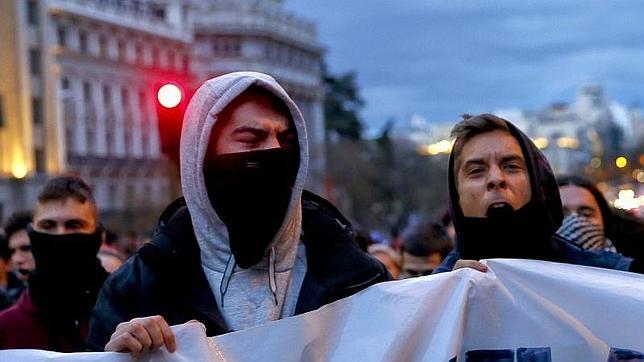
(442, 58)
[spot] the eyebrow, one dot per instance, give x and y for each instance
(246, 129)
(586, 208)
(512, 157)
(474, 161)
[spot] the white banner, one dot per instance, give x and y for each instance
(520, 310)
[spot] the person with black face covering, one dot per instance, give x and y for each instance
(505, 202)
(246, 244)
(53, 313)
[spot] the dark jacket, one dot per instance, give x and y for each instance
(10, 295)
(166, 277)
(547, 213)
(26, 325)
(570, 253)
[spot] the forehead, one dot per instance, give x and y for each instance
(18, 238)
(253, 112)
(490, 145)
(62, 210)
(576, 196)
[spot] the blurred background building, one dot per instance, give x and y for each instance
(78, 81)
(593, 136)
(232, 35)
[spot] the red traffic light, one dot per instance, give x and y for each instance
(169, 95)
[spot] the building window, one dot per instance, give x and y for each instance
(34, 61)
(127, 119)
(157, 11)
(82, 41)
(39, 154)
(155, 57)
(64, 84)
(145, 123)
(87, 92)
(227, 47)
(122, 50)
(103, 46)
(137, 7)
(109, 118)
(107, 97)
(113, 194)
(185, 66)
(32, 12)
(139, 54)
(61, 32)
(36, 110)
(90, 116)
(171, 61)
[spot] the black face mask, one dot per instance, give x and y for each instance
(68, 273)
(506, 233)
(250, 192)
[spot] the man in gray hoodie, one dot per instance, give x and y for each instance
(246, 245)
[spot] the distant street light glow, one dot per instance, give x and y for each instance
(568, 142)
(169, 95)
(541, 142)
(626, 200)
(621, 162)
(19, 170)
(440, 147)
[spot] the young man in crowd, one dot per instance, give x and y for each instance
(22, 260)
(592, 224)
(246, 245)
(10, 286)
(53, 313)
(505, 202)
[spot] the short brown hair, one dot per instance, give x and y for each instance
(472, 126)
(65, 187)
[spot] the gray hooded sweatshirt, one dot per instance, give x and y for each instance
(268, 290)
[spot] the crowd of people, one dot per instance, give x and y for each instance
(246, 244)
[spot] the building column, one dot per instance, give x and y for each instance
(80, 125)
(137, 137)
(153, 124)
(119, 132)
(97, 98)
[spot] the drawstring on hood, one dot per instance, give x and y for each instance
(264, 291)
(228, 273)
(271, 275)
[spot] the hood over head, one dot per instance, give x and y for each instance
(211, 232)
(544, 206)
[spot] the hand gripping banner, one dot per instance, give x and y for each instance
(520, 310)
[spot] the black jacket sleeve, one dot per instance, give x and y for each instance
(117, 302)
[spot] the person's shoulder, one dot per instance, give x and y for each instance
(175, 215)
(574, 254)
(323, 223)
(19, 314)
(313, 203)
(448, 262)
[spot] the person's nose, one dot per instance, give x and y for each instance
(496, 179)
(18, 258)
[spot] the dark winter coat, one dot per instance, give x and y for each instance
(166, 277)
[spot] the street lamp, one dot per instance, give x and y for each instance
(621, 162)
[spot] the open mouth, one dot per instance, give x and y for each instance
(499, 210)
(497, 205)
(23, 271)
